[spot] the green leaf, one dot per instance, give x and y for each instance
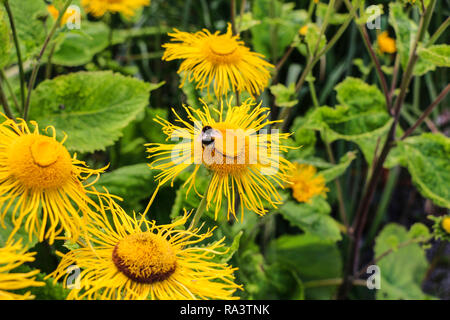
(427, 159)
(338, 169)
(403, 270)
(91, 107)
(311, 257)
(361, 118)
(313, 218)
(79, 47)
(5, 43)
(418, 230)
(438, 55)
(312, 39)
(284, 96)
(406, 33)
(132, 183)
(246, 21)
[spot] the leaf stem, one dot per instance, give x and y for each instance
(4, 102)
(10, 89)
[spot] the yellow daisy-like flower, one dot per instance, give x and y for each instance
(219, 59)
(385, 43)
(240, 158)
(446, 224)
(12, 256)
(41, 186)
(55, 14)
(137, 259)
(306, 183)
(99, 7)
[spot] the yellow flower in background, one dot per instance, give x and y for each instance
(41, 186)
(302, 31)
(137, 259)
(13, 255)
(446, 224)
(99, 7)
(385, 43)
(306, 183)
(55, 14)
(218, 59)
(249, 164)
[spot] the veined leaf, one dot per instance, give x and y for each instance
(361, 118)
(427, 159)
(91, 107)
(284, 96)
(338, 169)
(403, 270)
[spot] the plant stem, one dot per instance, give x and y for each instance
(233, 16)
(427, 112)
(39, 57)
(18, 52)
(438, 32)
(201, 208)
(4, 102)
(363, 207)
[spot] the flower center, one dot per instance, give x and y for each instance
(230, 152)
(39, 161)
(223, 46)
(145, 257)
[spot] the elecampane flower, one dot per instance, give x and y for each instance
(306, 183)
(13, 255)
(386, 44)
(127, 258)
(241, 158)
(41, 185)
(99, 7)
(219, 59)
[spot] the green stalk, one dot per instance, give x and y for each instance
(19, 55)
(201, 208)
(10, 89)
(38, 59)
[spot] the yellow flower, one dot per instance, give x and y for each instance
(385, 43)
(137, 259)
(12, 256)
(99, 7)
(306, 183)
(55, 14)
(219, 59)
(302, 31)
(446, 224)
(41, 186)
(240, 159)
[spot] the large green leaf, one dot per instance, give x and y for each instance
(403, 270)
(361, 116)
(313, 217)
(406, 33)
(311, 258)
(91, 107)
(427, 159)
(7, 228)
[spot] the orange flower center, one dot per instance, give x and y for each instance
(145, 257)
(39, 162)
